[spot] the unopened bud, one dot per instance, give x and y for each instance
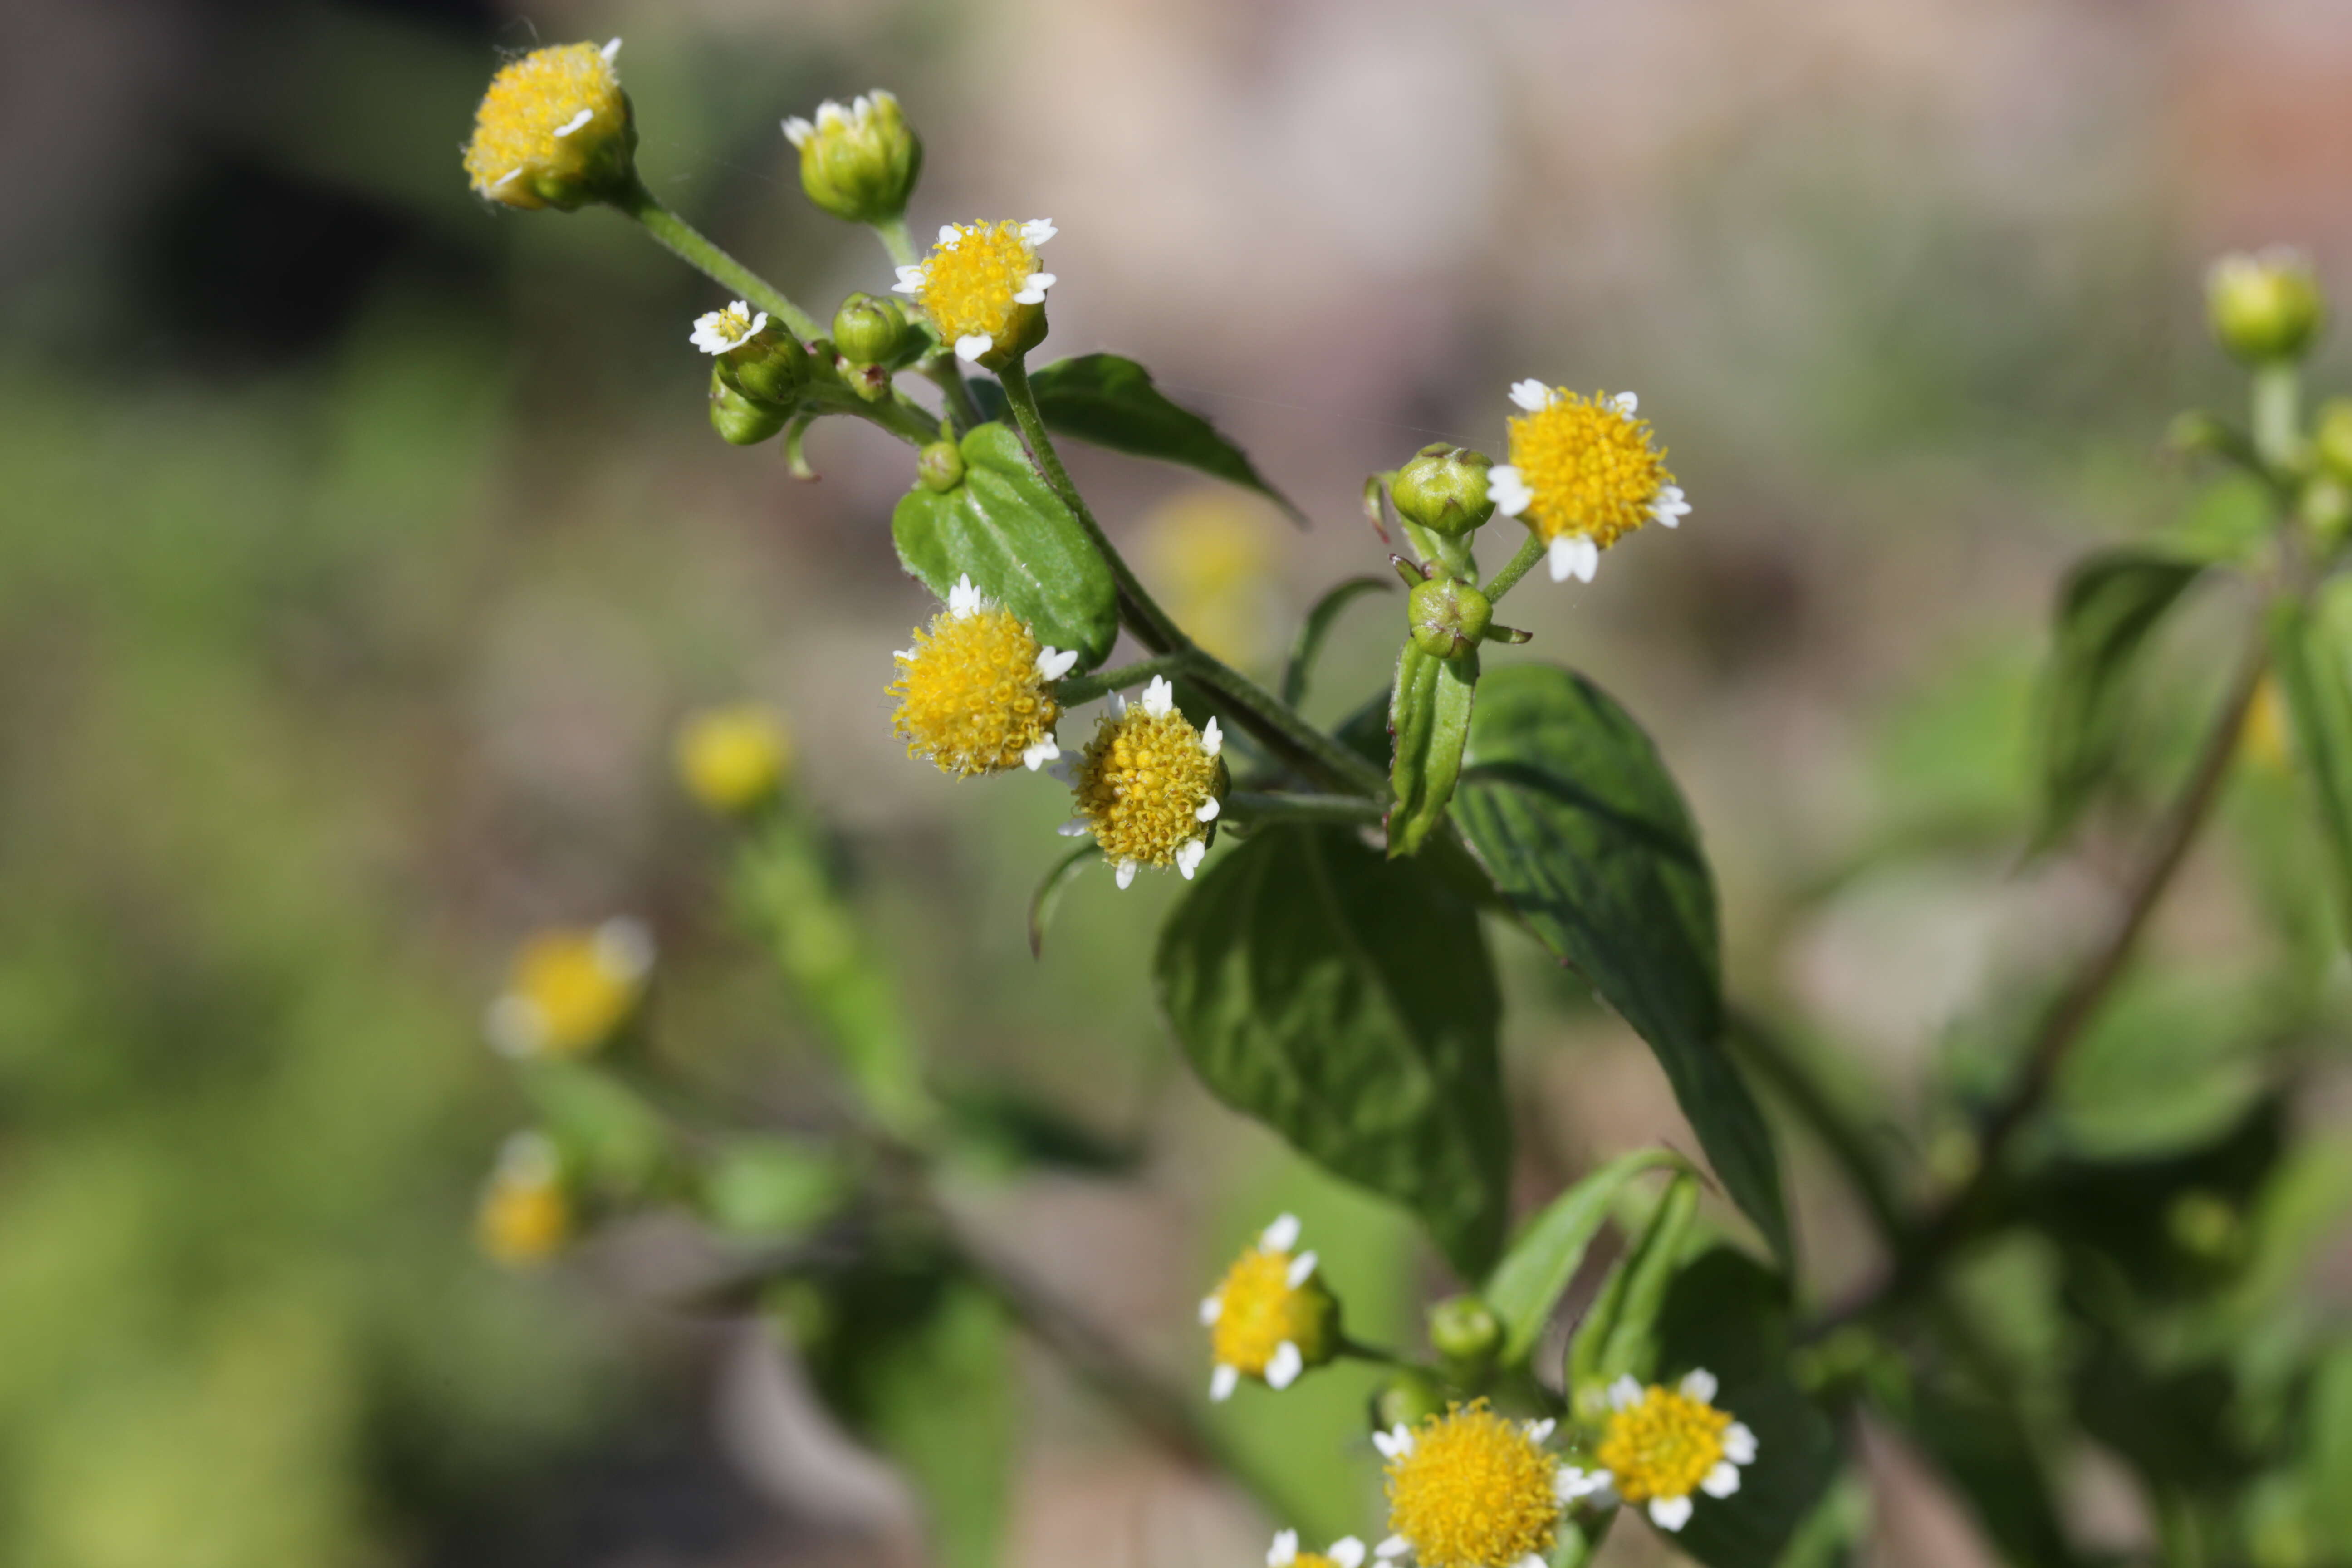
(1464, 1330)
(2267, 307)
(1443, 489)
(939, 467)
(871, 329)
(858, 163)
(554, 130)
(742, 421)
(1448, 617)
(770, 367)
(1407, 1400)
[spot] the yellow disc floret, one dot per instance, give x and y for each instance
(572, 990)
(733, 760)
(525, 1216)
(981, 288)
(1587, 468)
(1471, 1490)
(1149, 783)
(553, 130)
(975, 694)
(1663, 1444)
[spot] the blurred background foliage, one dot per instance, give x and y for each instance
(360, 549)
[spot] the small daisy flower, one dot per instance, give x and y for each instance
(526, 1216)
(975, 693)
(1471, 1490)
(571, 991)
(1345, 1552)
(982, 289)
(553, 130)
(733, 760)
(1583, 474)
(1661, 1445)
(1270, 1318)
(715, 332)
(1147, 786)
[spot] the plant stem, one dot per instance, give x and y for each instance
(685, 241)
(2276, 395)
(1080, 688)
(1248, 808)
(1254, 707)
(1955, 1218)
(948, 376)
(1517, 567)
(892, 232)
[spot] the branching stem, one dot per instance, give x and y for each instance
(688, 243)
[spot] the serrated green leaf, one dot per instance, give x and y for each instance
(1109, 401)
(1729, 1315)
(2311, 648)
(1006, 529)
(1565, 801)
(2111, 604)
(1350, 1003)
(1529, 1282)
(1429, 715)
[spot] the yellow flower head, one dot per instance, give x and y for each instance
(554, 129)
(1148, 787)
(975, 692)
(525, 1216)
(1346, 1553)
(981, 288)
(2266, 735)
(732, 760)
(1582, 474)
(1469, 1489)
(571, 991)
(1270, 1318)
(1663, 1444)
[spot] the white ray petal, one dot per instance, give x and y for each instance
(1531, 394)
(972, 345)
(1721, 1482)
(1223, 1382)
(1281, 1236)
(575, 122)
(1699, 1383)
(1282, 1368)
(1670, 1512)
(1302, 1268)
(1125, 875)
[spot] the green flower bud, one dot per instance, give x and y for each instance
(939, 467)
(858, 163)
(871, 329)
(1448, 617)
(2332, 438)
(740, 420)
(2265, 308)
(1406, 1400)
(770, 367)
(1443, 489)
(1465, 1331)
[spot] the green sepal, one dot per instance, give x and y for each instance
(1429, 717)
(1005, 528)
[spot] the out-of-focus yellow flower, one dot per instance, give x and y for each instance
(733, 760)
(526, 1216)
(1210, 556)
(1663, 1444)
(1270, 1318)
(571, 991)
(2266, 732)
(553, 130)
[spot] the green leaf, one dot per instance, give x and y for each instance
(1050, 888)
(2328, 1467)
(1350, 1003)
(2311, 648)
(1729, 1315)
(1429, 714)
(770, 1187)
(1110, 402)
(1565, 801)
(1317, 626)
(2110, 605)
(1529, 1282)
(1618, 1336)
(606, 1130)
(1005, 528)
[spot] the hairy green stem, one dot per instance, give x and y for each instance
(948, 375)
(1080, 688)
(1248, 808)
(1517, 567)
(685, 241)
(892, 232)
(2277, 398)
(1253, 707)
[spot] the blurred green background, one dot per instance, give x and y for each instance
(361, 548)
